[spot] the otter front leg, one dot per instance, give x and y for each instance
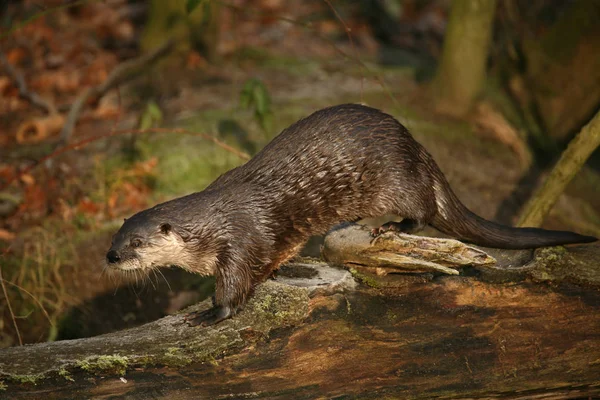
(233, 287)
(208, 317)
(215, 314)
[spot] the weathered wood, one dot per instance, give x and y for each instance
(399, 336)
(393, 252)
(396, 252)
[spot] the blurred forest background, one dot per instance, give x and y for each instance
(110, 106)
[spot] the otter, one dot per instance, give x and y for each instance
(339, 164)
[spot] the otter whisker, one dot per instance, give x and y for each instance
(148, 278)
(157, 270)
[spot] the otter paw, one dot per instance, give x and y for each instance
(387, 227)
(208, 317)
(407, 225)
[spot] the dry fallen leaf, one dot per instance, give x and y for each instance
(15, 56)
(28, 179)
(86, 206)
(195, 61)
(34, 131)
(6, 235)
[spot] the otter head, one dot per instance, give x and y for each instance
(143, 243)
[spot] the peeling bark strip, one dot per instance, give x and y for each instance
(400, 252)
(393, 252)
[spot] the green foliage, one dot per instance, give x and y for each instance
(255, 95)
(191, 5)
(152, 116)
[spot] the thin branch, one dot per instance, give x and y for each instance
(30, 295)
(349, 34)
(120, 74)
(82, 143)
(10, 310)
(571, 161)
(24, 92)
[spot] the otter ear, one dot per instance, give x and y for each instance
(165, 228)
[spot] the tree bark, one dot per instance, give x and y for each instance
(462, 70)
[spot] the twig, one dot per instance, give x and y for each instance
(571, 161)
(24, 92)
(10, 310)
(349, 34)
(33, 297)
(82, 143)
(118, 75)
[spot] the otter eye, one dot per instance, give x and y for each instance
(165, 228)
(136, 243)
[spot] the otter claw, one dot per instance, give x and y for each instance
(387, 227)
(208, 317)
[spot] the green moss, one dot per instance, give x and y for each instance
(175, 357)
(114, 364)
(66, 375)
(205, 349)
(186, 163)
(279, 305)
(27, 379)
(391, 316)
(551, 255)
(546, 260)
(3, 386)
(364, 278)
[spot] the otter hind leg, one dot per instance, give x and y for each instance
(416, 204)
(407, 225)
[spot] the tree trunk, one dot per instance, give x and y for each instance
(197, 30)
(462, 69)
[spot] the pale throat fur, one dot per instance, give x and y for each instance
(165, 250)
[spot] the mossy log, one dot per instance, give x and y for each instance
(400, 336)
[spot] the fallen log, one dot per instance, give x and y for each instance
(312, 333)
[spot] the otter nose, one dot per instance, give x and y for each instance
(112, 256)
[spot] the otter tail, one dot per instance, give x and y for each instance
(454, 219)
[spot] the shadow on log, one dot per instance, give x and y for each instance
(315, 333)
